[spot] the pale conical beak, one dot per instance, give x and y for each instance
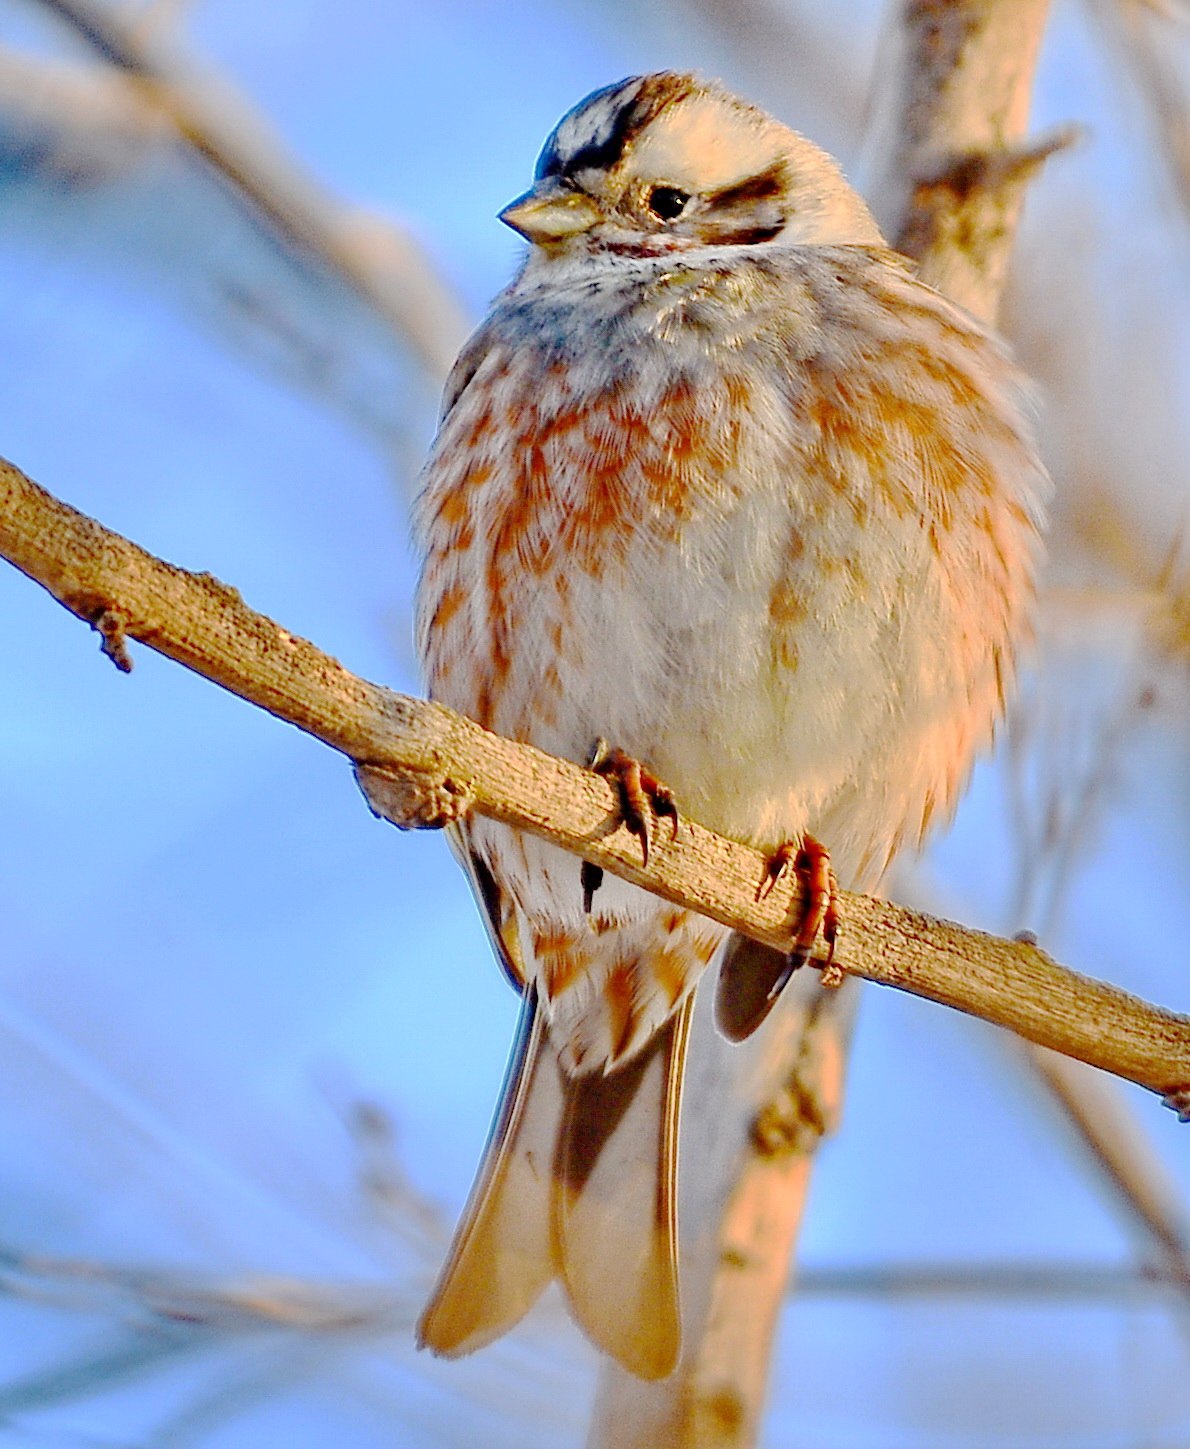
(550, 213)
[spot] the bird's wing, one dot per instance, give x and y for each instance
(496, 906)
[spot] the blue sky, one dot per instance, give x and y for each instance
(208, 946)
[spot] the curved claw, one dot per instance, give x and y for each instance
(811, 859)
(640, 792)
(590, 878)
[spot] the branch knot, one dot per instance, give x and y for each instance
(413, 799)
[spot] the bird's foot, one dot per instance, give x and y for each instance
(811, 859)
(643, 799)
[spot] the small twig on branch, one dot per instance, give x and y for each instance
(434, 755)
(110, 628)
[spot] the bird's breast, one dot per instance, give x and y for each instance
(781, 562)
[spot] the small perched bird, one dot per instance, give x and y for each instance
(720, 482)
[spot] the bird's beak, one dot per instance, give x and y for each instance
(551, 212)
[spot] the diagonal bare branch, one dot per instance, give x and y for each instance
(423, 765)
(81, 122)
(1124, 1155)
(1052, 830)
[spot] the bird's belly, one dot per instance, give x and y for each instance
(761, 692)
(786, 654)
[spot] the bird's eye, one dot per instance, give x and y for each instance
(667, 202)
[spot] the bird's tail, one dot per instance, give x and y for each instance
(578, 1182)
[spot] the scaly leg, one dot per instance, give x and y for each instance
(811, 859)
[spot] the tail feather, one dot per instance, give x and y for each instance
(501, 1257)
(578, 1182)
(615, 1208)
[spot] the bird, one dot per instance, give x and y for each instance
(727, 502)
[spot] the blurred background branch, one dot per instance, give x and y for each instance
(952, 92)
(1152, 40)
(383, 263)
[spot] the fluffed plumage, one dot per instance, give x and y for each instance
(720, 481)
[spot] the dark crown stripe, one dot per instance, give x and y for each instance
(644, 102)
(553, 162)
(603, 154)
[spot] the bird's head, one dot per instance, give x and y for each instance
(668, 162)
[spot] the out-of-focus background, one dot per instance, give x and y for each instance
(249, 1036)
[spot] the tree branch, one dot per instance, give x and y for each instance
(1127, 1159)
(945, 164)
(79, 122)
(423, 765)
(951, 104)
